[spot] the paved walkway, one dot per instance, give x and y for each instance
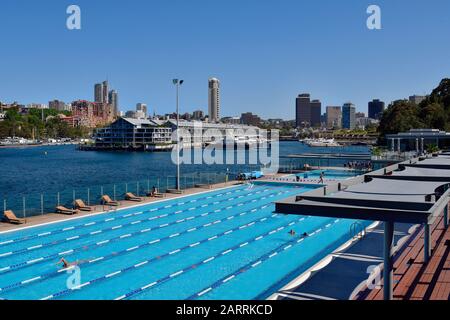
(53, 217)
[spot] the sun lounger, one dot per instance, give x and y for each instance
(10, 217)
(64, 210)
(106, 200)
(131, 197)
(80, 205)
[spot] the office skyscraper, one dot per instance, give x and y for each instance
(113, 98)
(348, 116)
(98, 93)
(141, 108)
(303, 110)
(214, 100)
(307, 112)
(105, 92)
(316, 112)
(417, 99)
(376, 108)
(334, 117)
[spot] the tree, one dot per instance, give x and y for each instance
(434, 116)
(400, 116)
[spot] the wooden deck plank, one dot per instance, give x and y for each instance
(415, 280)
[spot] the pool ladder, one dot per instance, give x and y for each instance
(357, 230)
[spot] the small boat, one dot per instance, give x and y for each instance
(322, 143)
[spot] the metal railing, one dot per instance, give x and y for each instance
(46, 202)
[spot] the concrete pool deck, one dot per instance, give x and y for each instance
(49, 218)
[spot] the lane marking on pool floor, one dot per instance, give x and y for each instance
(30, 262)
(113, 255)
(127, 269)
(271, 254)
(254, 264)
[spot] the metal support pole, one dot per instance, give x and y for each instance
(42, 203)
(446, 216)
(89, 196)
(388, 260)
(114, 191)
(24, 208)
(427, 244)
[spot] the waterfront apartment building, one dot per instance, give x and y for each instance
(92, 114)
(334, 117)
(129, 133)
(214, 100)
(376, 108)
(153, 135)
(348, 116)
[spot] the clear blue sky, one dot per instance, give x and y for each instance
(265, 52)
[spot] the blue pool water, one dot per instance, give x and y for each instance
(224, 244)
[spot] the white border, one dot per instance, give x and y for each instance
(303, 277)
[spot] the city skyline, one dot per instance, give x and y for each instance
(255, 77)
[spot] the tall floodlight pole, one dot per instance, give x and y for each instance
(177, 84)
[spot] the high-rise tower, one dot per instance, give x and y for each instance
(214, 100)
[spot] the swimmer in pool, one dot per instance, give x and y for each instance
(66, 264)
(292, 233)
(306, 234)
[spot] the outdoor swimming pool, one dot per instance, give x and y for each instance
(223, 244)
